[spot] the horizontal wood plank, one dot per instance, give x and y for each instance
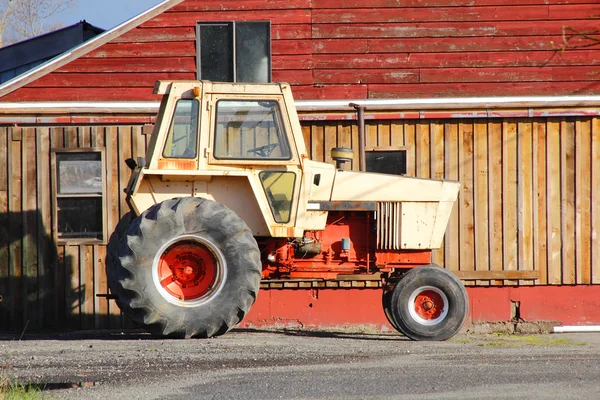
(536, 74)
(497, 275)
(86, 94)
(442, 3)
(359, 76)
(211, 5)
(144, 49)
(157, 35)
(430, 14)
(277, 17)
(117, 80)
(480, 89)
(445, 29)
(134, 64)
(457, 60)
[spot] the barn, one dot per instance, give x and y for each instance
(501, 95)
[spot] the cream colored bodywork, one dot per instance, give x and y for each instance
(422, 206)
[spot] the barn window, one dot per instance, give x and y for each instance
(79, 182)
(386, 161)
(238, 51)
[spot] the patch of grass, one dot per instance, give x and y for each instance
(11, 389)
(504, 340)
(14, 390)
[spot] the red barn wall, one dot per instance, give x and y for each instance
(333, 49)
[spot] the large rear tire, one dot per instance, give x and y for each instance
(185, 267)
(429, 303)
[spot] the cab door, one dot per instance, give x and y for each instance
(250, 136)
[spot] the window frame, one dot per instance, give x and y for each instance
(56, 196)
(282, 133)
(232, 25)
(383, 150)
(195, 103)
(269, 197)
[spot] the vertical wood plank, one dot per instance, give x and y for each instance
(15, 223)
(100, 287)
(595, 200)
(46, 256)
(355, 146)
(567, 200)
(330, 141)
(397, 134)
(466, 213)
(371, 135)
(112, 200)
(496, 260)
(4, 228)
(437, 171)
(509, 196)
(480, 200)
(307, 140)
(124, 152)
(410, 141)
(87, 286)
(30, 229)
(344, 139)
(84, 136)
(318, 139)
(72, 287)
(540, 229)
(553, 227)
(422, 151)
(71, 137)
(583, 232)
(451, 171)
(384, 135)
(525, 187)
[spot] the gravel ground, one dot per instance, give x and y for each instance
(268, 364)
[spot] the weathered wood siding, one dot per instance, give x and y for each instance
(530, 200)
(337, 49)
(43, 284)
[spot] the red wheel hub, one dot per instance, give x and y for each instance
(429, 305)
(187, 270)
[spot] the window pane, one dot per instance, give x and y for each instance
(250, 130)
(80, 218)
(216, 52)
(387, 162)
(279, 187)
(79, 173)
(252, 52)
(182, 137)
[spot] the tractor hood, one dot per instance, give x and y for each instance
(411, 213)
(367, 186)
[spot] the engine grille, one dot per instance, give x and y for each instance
(388, 225)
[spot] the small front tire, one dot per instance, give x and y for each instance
(429, 303)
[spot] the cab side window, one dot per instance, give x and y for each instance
(182, 139)
(279, 187)
(250, 130)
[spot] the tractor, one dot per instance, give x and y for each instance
(227, 197)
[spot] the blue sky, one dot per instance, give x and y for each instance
(105, 14)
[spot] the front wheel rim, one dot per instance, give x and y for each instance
(428, 305)
(189, 270)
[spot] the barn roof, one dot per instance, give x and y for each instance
(86, 47)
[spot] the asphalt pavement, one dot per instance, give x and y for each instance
(305, 364)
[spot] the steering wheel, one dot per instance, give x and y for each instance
(264, 151)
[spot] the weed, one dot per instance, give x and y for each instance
(12, 389)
